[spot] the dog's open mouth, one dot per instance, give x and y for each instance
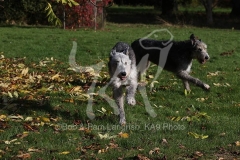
(202, 61)
(123, 78)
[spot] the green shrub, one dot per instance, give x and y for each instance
(25, 11)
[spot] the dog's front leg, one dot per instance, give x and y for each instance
(186, 85)
(131, 90)
(186, 77)
(118, 96)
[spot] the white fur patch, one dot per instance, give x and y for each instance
(189, 68)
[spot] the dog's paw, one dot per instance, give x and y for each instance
(206, 86)
(131, 101)
(122, 122)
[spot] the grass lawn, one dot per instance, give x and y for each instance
(43, 102)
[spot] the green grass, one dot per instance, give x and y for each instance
(145, 133)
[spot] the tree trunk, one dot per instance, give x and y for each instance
(169, 7)
(208, 4)
(209, 12)
(235, 8)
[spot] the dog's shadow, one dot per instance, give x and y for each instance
(34, 107)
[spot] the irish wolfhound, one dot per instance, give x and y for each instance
(178, 58)
(123, 72)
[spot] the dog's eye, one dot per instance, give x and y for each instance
(199, 49)
(115, 63)
(126, 63)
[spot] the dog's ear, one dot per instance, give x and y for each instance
(193, 39)
(113, 52)
(192, 36)
(126, 51)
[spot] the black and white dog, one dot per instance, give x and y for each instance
(123, 73)
(178, 58)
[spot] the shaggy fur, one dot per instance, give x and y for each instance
(179, 57)
(123, 72)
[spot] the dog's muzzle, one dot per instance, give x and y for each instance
(122, 76)
(204, 60)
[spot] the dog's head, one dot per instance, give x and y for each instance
(199, 49)
(119, 64)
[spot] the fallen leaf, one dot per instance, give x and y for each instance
(197, 136)
(220, 85)
(3, 117)
(164, 141)
(123, 135)
(112, 145)
(15, 93)
(156, 150)
(102, 150)
(210, 74)
(237, 143)
(201, 99)
(10, 94)
(217, 84)
(69, 100)
(64, 153)
(152, 85)
(45, 119)
(22, 135)
(199, 154)
(9, 142)
(76, 89)
(34, 150)
(151, 76)
(16, 117)
(182, 146)
(55, 77)
(21, 65)
(227, 53)
(106, 136)
(29, 119)
(25, 71)
(186, 92)
(24, 156)
(222, 134)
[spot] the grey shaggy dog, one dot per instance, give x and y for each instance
(179, 57)
(123, 73)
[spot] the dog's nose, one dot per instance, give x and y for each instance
(206, 57)
(123, 73)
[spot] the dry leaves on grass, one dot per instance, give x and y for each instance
(108, 136)
(227, 53)
(28, 123)
(30, 81)
(222, 84)
(192, 116)
(155, 150)
(212, 74)
(201, 99)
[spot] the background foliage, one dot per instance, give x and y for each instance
(36, 12)
(81, 15)
(25, 11)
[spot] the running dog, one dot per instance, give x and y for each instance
(123, 73)
(178, 58)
